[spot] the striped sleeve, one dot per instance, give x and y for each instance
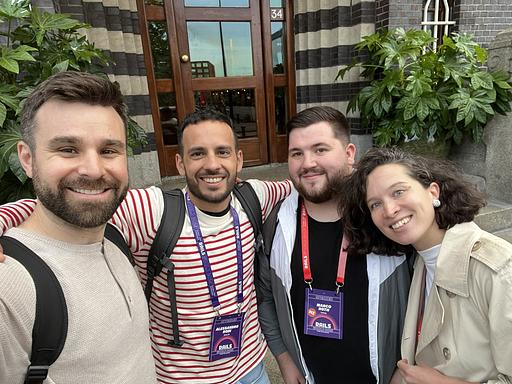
(270, 193)
(13, 214)
(138, 217)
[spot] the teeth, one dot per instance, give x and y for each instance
(88, 191)
(401, 223)
(212, 179)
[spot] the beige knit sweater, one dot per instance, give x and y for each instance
(108, 338)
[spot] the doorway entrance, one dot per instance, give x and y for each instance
(232, 55)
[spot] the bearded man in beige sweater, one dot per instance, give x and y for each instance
(74, 149)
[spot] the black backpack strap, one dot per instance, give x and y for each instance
(164, 242)
(245, 193)
(116, 237)
(51, 320)
(269, 228)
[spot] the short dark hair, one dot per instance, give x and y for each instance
(200, 115)
(460, 199)
(313, 115)
(73, 87)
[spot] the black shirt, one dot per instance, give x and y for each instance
(330, 360)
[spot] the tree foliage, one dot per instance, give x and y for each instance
(417, 92)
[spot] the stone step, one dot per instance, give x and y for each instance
(496, 216)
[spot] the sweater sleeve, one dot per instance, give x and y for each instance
(270, 193)
(13, 214)
(139, 216)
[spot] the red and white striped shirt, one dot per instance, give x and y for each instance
(139, 217)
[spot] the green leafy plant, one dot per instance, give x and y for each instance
(416, 92)
(35, 45)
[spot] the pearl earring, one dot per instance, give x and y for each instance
(436, 203)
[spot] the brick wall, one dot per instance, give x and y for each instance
(484, 19)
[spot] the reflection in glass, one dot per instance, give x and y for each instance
(281, 110)
(216, 3)
(276, 3)
(221, 48)
(160, 49)
(238, 104)
(277, 46)
(168, 117)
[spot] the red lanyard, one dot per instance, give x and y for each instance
(306, 265)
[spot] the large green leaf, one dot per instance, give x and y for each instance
(10, 9)
(8, 140)
(16, 168)
(10, 64)
(3, 114)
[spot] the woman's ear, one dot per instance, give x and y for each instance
(435, 190)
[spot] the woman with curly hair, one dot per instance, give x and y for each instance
(458, 326)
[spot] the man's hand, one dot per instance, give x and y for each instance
(2, 256)
(423, 374)
(291, 374)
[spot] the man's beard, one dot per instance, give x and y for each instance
(214, 197)
(326, 193)
(83, 214)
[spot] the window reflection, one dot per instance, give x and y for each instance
(281, 110)
(160, 49)
(168, 117)
(224, 47)
(238, 104)
(277, 46)
(216, 3)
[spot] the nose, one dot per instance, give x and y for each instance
(91, 165)
(391, 208)
(309, 160)
(212, 162)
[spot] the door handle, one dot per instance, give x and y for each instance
(184, 58)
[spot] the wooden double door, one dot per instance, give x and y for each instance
(233, 55)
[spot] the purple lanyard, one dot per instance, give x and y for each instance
(192, 214)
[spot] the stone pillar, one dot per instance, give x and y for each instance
(498, 132)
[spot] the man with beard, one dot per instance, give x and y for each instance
(74, 149)
(212, 262)
(327, 317)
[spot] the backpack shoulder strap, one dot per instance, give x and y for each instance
(269, 228)
(51, 321)
(113, 234)
(166, 236)
(246, 194)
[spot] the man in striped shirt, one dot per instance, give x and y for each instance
(209, 158)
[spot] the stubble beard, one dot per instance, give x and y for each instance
(326, 193)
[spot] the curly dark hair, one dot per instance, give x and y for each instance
(460, 200)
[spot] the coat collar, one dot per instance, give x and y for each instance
(453, 261)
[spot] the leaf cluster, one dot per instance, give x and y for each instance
(33, 46)
(415, 91)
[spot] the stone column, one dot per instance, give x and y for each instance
(498, 132)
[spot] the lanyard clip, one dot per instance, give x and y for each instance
(217, 310)
(239, 306)
(308, 282)
(338, 286)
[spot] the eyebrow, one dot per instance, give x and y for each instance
(62, 140)
(316, 145)
(220, 147)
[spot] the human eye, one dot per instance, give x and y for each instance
(321, 150)
(67, 151)
(224, 152)
(374, 205)
(398, 192)
(109, 151)
(295, 154)
(196, 154)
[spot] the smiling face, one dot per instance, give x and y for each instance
(401, 207)
(210, 163)
(317, 160)
(78, 165)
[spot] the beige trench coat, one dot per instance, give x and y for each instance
(467, 324)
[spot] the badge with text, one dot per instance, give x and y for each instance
(226, 338)
(323, 314)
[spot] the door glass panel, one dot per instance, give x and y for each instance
(281, 110)
(168, 117)
(277, 46)
(276, 3)
(238, 104)
(224, 48)
(158, 39)
(216, 3)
